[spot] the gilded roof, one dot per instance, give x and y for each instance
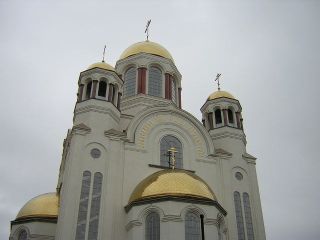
(102, 65)
(45, 205)
(146, 47)
(220, 94)
(177, 183)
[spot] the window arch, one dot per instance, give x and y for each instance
(155, 82)
(88, 90)
(217, 115)
(192, 226)
(230, 116)
(166, 143)
(23, 235)
(129, 82)
(239, 215)
(102, 91)
(152, 229)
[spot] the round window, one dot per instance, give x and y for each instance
(95, 153)
(239, 176)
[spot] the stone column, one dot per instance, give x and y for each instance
(80, 93)
(225, 116)
(142, 72)
(179, 93)
(94, 88)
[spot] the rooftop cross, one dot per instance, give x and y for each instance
(147, 29)
(172, 161)
(218, 80)
(104, 53)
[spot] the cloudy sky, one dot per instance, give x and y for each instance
(267, 51)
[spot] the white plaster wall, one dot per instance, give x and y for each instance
(35, 230)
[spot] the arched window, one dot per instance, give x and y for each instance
(152, 230)
(173, 91)
(247, 215)
(230, 116)
(83, 206)
(192, 226)
(239, 215)
(95, 206)
(155, 82)
(166, 143)
(102, 91)
(217, 115)
(23, 235)
(129, 82)
(88, 90)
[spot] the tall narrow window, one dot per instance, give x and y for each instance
(130, 82)
(102, 91)
(155, 82)
(23, 235)
(152, 230)
(217, 115)
(88, 90)
(239, 215)
(192, 226)
(166, 143)
(83, 206)
(247, 215)
(95, 207)
(230, 116)
(173, 91)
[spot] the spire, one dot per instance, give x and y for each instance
(218, 80)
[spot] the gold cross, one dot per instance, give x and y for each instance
(172, 155)
(218, 80)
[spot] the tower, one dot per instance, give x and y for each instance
(118, 178)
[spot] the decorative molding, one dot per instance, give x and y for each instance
(98, 109)
(171, 218)
(115, 134)
(225, 134)
(249, 158)
(210, 221)
(81, 129)
(132, 224)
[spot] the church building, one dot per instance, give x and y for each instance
(136, 166)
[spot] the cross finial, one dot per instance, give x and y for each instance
(172, 160)
(104, 53)
(147, 29)
(218, 80)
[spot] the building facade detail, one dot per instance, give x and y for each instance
(136, 166)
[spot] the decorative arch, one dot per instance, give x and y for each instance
(20, 230)
(142, 124)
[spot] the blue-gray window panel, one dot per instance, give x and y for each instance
(83, 206)
(192, 226)
(155, 82)
(239, 216)
(173, 90)
(248, 216)
(130, 82)
(95, 207)
(152, 229)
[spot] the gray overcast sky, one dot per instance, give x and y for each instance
(267, 51)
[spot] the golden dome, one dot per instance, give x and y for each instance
(45, 205)
(102, 65)
(146, 47)
(220, 94)
(176, 183)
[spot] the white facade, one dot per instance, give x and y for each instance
(118, 138)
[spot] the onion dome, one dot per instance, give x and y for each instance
(102, 65)
(42, 206)
(146, 47)
(172, 183)
(220, 94)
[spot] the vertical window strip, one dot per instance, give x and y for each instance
(152, 230)
(173, 90)
(83, 206)
(155, 82)
(247, 215)
(192, 227)
(95, 207)
(239, 216)
(130, 82)
(166, 143)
